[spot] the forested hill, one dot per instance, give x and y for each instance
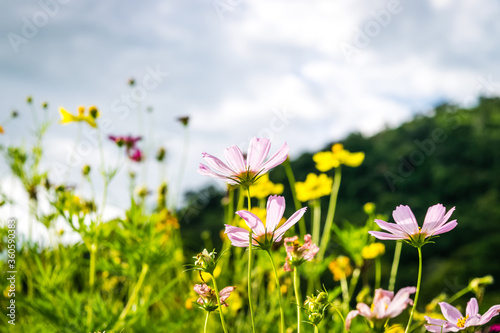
(451, 156)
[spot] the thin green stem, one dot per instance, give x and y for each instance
(459, 294)
(418, 288)
(219, 305)
(327, 231)
(278, 286)
(378, 272)
(296, 285)
(135, 292)
(206, 322)
(93, 250)
(316, 212)
(291, 181)
(250, 259)
(316, 329)
(395, 264)
(354, 281)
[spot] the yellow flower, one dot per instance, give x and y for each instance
(89, 118)
(373, 251)
(1, 130)
(340, 267)
(263, 188)
(326, 160)
(314, 187)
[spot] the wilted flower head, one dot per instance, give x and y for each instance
(373, 251)
(208, 299)
(314, 187)
(205, 261)
(135, 155)
(240, 171)
(454, 321)
(385, 305)
(406, 227)
(183, 120)
(326, 160)
(340, 267)
(264, 235)
(128, 141)
(297, 253)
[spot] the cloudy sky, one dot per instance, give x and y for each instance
(304, 72)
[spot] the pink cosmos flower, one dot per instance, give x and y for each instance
(456, 322)
(495, 328)
(297, 254)
(241, 171)
(264, 235)
(385, 305)
(207, 298)
(406, 226)
(128, 141)
(135, 155)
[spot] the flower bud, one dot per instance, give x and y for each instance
(45, 105)
(184, 120)
(86, 170)
(160, 155)
(315, 318)
(94, 113)
(29, 99)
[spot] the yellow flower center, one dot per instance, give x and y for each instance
(461, 321)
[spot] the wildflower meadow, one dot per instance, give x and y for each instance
(281, 259)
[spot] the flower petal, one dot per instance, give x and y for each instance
(289, 223)
(445, 228)
(257, 152)
(234, 158)
(206, 171)
(492, 312)
(348, 319)
(237, 236)
(252, 221)
(275, 210)
(472, 308)
(436, 325)
(364, 310)
(393, 228)
(385, 235)
(218, 166)
(433, 218)
(400, 302)
(404, 217)
(275, 160)
(450, 313)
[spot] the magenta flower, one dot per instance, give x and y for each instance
(385, 305)
(406, 227)
(456, 322)
(127, 141)
(241, 171)
(264, 235)
(296, 253)
(495, 328)
(208, 299)
(135, 155)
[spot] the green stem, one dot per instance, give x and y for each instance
(395, 264)
(296, 284)
(459, 294)
(316, 212)
(378, 272)
(93, 250)
(354, 282)
(291, 181)
(206, 322)
(418, 288)
(345, 289)
(135, 292)
(219, 304)
(316, 329)
(282, 314)
(250, 259)
(331, 213)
